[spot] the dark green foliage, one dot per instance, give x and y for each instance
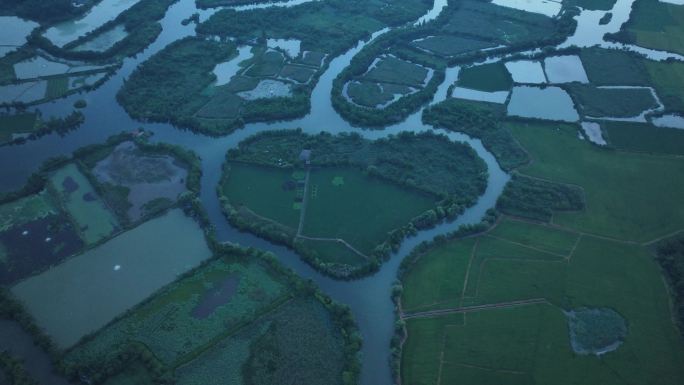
(296, 349)
(612, 102)
(486, 77)
(332, 26)
(141, 24)
(670, 256)
(537, 199)
(426, 161)
(446, 45)
(117, 200)
(14, 370)
(80, 103)
(482, 121)
(161, 88)
(644, 137)
(611, 67)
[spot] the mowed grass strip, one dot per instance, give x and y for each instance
(261, 190)
(362, 210)
(618, 204)
(436, 280)
(544, 238)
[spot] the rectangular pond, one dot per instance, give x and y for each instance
(68, 31)
(86, 292)
(550, 103)
(480, 96)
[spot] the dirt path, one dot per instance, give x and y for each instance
(305, 201)
(334, 240)
(466, 309)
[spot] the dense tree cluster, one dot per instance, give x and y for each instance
(481, 121)
(670, 256)
(537, 199)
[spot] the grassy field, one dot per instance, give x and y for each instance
(668, 81)
(263, 190)
(297, 73)
(486, 77)
(657, 25)
(612, 102)
(268, 64)
(617, 205)
(371, 95)
(644, 138)
(527, 344)
(346, 204)
(57, 87)
(446, 45)
(183, 318)
(540, 237)
(611, 67)
(392, 70)
(86, 208)
(16, 124)
(502, 25)
(437, 278)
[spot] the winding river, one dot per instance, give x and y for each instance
(369, 298)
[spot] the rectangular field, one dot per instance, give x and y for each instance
(617, 204)
(86, 292)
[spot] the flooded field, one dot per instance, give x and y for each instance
(551, 103)
(292, 47)
(499, 97)
(525, 71)
(267, 89)
(14, 34)
(104, 41)
(86, 292)
(107, 10)
(147, 178)
(565, 69)
(225, 71)
(26, 92)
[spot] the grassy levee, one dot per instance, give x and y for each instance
(617, 204)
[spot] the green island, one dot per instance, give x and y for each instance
(128, 307)
(274, 84)
(342, 202)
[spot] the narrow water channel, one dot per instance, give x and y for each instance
(368, 298)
